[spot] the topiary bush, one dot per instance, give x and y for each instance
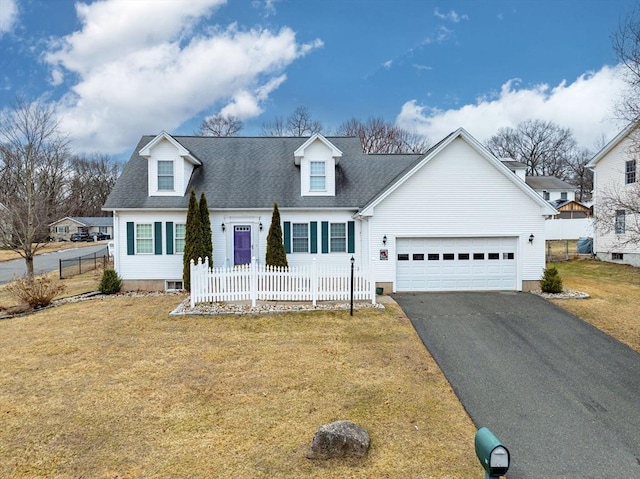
(110, 282)
(551, 281)
(38, 291)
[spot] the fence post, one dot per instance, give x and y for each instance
(253, 281)
(314, 281)
(192, 275)
(60, 267)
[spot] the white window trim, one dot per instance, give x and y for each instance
(175, 237)
(323, 175)
(293, 237)
(136, 238)
(173, 175)
(331, 237)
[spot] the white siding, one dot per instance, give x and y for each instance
(318, 151)
(610, 174)
(459, 193)
(169, 267)
(165, 151)
(146, 266)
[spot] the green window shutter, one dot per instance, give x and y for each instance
(325, 236)
(287, 237)
(169, 236)
(314, 236)
(351, 237)
(131, 238)
(158, 237)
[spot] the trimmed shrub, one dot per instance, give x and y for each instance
(38, 291)
(276, 255)
(551, 281)
(110, 282)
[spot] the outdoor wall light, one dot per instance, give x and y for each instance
(260, 226)
(531, 238)
(223, 227)
(384, 240)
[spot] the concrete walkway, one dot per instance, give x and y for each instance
(562, 396)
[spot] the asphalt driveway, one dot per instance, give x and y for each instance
(561, 395)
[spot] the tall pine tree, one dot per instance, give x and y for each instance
(276, 255)
(192, 240)
(205, 223)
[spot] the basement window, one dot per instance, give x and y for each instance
(617, 256)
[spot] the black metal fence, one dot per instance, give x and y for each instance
(82, 264)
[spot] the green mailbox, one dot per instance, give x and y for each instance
(493, 455)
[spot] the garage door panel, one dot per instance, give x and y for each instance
(452, 264)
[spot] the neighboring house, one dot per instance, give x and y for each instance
(552, 188)
(455, 218)
(62, 229)
(574, 219)
(616, 170)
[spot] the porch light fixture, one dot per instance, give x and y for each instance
(531, 238)
(223, 227)
(384, 240)
(260, 225)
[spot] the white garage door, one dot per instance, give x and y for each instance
(455, 264)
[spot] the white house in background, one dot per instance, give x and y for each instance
(551, 188)
(455, 218)
(616, 168)
(574, 219)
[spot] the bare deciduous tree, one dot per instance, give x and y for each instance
(33, 156)
(91, 180)
(299, 123)
(579, 175)
(543, 146)
(617, 208)
(220, 125)
(378, 136)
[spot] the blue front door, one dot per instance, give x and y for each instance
(241, 245)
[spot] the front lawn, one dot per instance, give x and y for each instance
(614, 306)
(115, 388)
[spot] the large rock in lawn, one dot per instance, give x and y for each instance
(339, 439)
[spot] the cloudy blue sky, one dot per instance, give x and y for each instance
(118, 69)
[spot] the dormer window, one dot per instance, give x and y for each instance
(317, 177)
(165, 176)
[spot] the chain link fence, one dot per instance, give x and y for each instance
(82, 264)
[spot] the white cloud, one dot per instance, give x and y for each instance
(136, 77)
(585, 106)
(8, 15)
(387, 65)
(452, 16)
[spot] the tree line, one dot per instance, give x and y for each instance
(42, 179)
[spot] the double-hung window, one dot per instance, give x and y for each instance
(338, 237)
(317, 176)
(165, 176)
(300, 237)
(181, 230)
(630, 172)
(144, 238)
(620, 222)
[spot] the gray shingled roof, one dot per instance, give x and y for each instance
(548, 183)
(94, 220)
(243, 172)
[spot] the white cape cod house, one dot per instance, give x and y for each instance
(455, 218)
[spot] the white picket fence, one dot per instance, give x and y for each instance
(253, 282)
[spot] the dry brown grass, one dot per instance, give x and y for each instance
(115, 388)
(615, 296)
(560, 250)
(84, 283)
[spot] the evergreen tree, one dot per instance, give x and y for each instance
(205, 223)
(551, 281)
(276, 255)
(192, 240)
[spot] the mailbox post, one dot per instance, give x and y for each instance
(492, 454)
